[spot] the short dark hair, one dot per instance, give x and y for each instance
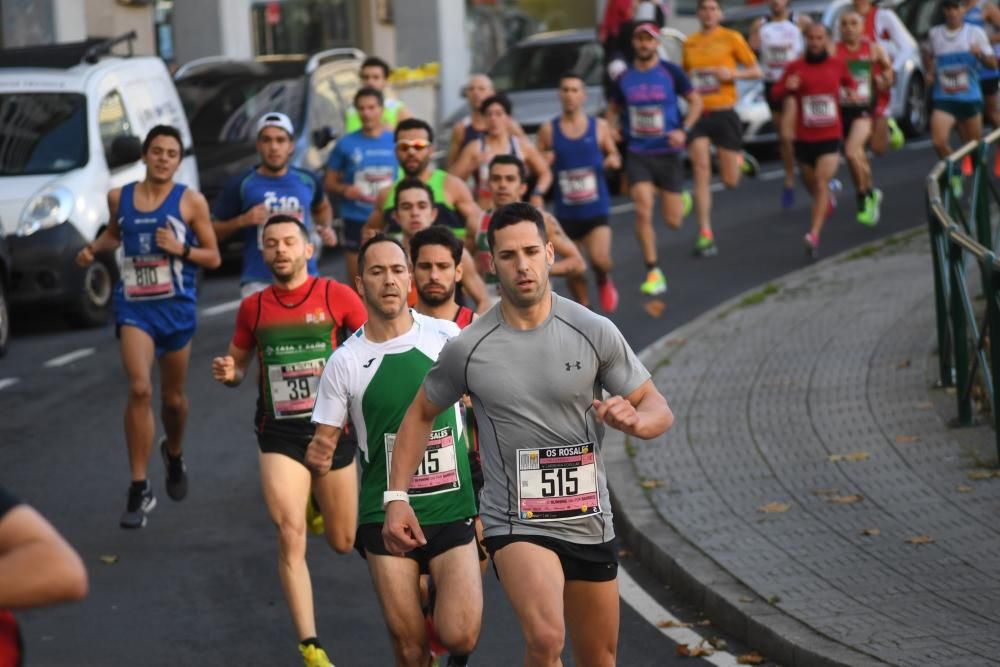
(162, 131)
(368, 91)
(510, 158)
(283, 218)
(375, 61)
(500, 99)
(413, 184)
(436, 235)
(571, 74)
(378, 238)
(414, 124)
(512, 214)
(717, 3)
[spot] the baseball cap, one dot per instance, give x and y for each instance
(648, 27)
(275, 119)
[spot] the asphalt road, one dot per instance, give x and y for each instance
(198, 584)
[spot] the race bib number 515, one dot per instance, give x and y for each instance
(438, 470)
(557, 483)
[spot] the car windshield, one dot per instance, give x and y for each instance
(224, 103)
(539, 66)
(42, 133)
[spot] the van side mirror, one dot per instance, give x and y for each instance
(125, 150)
(322, 137)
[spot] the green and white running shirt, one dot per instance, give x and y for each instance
(375, 383)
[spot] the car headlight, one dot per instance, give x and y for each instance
(46, 209)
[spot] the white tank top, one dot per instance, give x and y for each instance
(780, 43)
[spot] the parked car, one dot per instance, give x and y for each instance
(919, 16)
(224, 98)
(73, 119)
(4, 289)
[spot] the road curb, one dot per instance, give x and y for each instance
(691, 572)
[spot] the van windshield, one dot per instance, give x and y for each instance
(42, 133)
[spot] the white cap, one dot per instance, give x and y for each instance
(276, 119)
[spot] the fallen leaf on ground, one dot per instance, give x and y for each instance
(926, 405)
(871, 532)
(962, 488)
(906, 439)
(845, 500)
(746, 599)
(825, 492)
(774, 599)
(651, 483)
(670, 623)
(685, 651)
(773, 508)
(853, 457)
(655, 307)
(705, 622)
(109, 559)
(718, 643)
(979, 475)
(905, 363)
(920, 539)
(752, 658)
(679, 340)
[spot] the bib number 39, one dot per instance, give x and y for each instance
(294, 387)
(557, 483)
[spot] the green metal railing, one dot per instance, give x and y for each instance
(961, 236)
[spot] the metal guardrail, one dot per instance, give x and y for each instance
(961, 235)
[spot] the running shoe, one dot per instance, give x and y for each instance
(687, 203)
(177, 481)
(787, 197)
(812, 245)
(873, 208)
(896, 137)
(141, 502)
(655, 283)
(609, 295)
(704, 246)
(314, 517)
(314, 656)
(750, 167)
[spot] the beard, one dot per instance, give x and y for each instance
(437, 298)
(815, 58)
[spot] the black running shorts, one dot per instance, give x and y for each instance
(440, 538)
(723, 128)
(294, 446)
(809, 152)
(663, 170)
(578, 229)
(580, 562)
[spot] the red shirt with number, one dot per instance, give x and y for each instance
(817, 97)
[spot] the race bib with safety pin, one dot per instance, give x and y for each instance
(438, 470)
(578, 186)
(705, 81)
(777, 55)
(294, 387)
(557, 483)
(819, 110)
(954, 80)
(646, 120)
(373, 180)
(147, 277)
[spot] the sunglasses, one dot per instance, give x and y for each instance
(416, 144)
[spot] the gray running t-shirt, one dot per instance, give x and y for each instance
(532, 394)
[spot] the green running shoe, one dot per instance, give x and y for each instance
(687, 202)
(896, 137)
(655, 283)
(705, 246)
(872, 211)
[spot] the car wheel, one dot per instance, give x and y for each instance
(914, 120)
(93, 305)
(4, 320)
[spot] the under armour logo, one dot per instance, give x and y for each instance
(369, 362)
(570, 365)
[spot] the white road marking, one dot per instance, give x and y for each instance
(918, 144)
(220, 308)
(69, 357)
(654, 613)
(7, 382)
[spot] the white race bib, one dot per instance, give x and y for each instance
(954, 80)
(578, 186)
(705, 81)
(147, 277)
(294, 387)
(373, 180)
(438, 470)
(819, 110)
(557, 483)
(646, 121)
(777, 55)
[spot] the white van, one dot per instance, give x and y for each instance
(72, 118)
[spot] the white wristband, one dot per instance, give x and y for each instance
(392, 496)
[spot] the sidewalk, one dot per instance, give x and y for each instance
(810, 495)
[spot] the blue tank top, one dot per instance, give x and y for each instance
(470, 133)
(148, 273)
(956, 73)
(581, 189)
(975, 16)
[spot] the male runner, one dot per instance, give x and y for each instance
(777, 39)
(983, 13)
(375, 74)
(452, 199)
(165, 233)
(361, 165)
(374, 377)
(474, 160)
(508, 182)
(473, 126)
(872, 70)
(816, 82)
(956, 51)
(580, 147)
(273, 187)
(711, 57)
(545, 505)
(293, 326)
(645, 104)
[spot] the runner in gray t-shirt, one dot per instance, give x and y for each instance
(535, 366)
